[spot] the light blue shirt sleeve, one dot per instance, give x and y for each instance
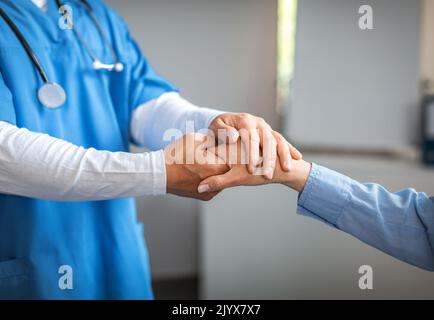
(400, 224)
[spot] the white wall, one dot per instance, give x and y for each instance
(220, 53)
(427, 52)
(356, 88)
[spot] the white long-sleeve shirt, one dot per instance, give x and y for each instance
(39, 166)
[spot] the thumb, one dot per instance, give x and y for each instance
(225, 133)
(295, 153)
(218, 183)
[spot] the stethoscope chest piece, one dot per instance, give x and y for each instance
(52, 95)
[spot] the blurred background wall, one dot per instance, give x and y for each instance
(249, 243)
(363, 82)
(427, 45)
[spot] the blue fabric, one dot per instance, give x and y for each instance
(100, 241)
(400, 224)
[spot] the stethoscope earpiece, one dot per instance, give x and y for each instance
(119, 67)
(98, 65)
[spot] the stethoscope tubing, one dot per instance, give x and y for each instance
(35, 59)
(51, 94)
(101, 32)
(25, 44)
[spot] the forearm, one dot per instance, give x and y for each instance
(154, 123)
(399, 224)
(39, 166)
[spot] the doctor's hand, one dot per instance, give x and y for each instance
(256, 135)
(188, 162)
(239, 175)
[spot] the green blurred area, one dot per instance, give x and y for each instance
(287, 24)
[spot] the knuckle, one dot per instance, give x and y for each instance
(245, 123)
(263, 122)
(279, 137)
(241, 117)
(216, 183)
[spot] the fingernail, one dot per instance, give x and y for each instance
(204, 188)
(300, 155)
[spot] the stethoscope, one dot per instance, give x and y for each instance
(51, 94)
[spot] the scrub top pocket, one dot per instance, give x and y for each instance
(15, 279)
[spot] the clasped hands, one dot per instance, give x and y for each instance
(239, 150)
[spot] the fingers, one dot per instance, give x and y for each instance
(295, 153)
(285, 158)
(269, 151)
(252, 144)
(256, 137)
(218, 183)
(284, 152)
(225, 133)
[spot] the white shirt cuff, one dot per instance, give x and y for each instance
(159, 182)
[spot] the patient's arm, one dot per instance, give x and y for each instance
(400, 224)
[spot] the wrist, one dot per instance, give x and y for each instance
(297, 178)
(170, 170)
(157, 164)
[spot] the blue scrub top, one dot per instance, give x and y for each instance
(101, 242)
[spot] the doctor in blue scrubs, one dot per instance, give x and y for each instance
(73, 96)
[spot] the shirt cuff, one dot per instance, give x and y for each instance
(159, 178)
(325, 195)
(205, 117)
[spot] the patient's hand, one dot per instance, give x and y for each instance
(239, 174)
(259, 135)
